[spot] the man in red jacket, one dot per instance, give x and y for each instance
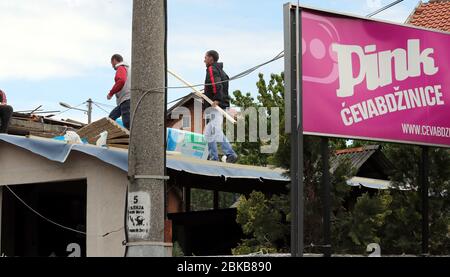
(122, 90)
(5, 113)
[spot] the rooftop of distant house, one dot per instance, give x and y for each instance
(434, 14)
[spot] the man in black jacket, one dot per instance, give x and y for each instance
(216, 88)
(5, 113)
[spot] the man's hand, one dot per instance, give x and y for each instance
(215, 104)
(109, 97)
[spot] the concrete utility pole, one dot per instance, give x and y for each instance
(146, 202)
(89, 112)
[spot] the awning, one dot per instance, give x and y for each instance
(369, 183)
(59, 152)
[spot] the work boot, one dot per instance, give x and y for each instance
(232, 159)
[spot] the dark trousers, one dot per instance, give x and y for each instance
(122, 111)
(5, 116)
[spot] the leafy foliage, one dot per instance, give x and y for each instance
(391, 218)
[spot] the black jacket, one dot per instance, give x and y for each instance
(216, 85)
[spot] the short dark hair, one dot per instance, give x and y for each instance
(213, 54)
(117, 57)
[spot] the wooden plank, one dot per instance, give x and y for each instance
(93, 126)
(119, 141)
(104, 124)
(202, 95)
(36, 126)
(116, 135)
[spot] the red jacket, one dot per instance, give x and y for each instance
(3, 97)
(120, 79)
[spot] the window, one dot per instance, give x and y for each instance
(186, 122)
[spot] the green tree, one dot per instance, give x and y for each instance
(276, 208)
(391, 218)
(264, 220)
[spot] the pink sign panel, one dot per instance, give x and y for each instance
(374, 80)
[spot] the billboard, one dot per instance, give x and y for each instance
(367, 79)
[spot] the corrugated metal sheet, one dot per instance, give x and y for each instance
(59, 152)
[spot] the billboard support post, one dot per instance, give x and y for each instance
(424, 171)
(326, 188)
(294, 125)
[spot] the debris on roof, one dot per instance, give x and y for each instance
(434, 14)
(118, 136)
(33, 125)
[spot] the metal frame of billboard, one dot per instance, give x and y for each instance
(294, 117)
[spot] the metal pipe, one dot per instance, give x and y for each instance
(384, 8)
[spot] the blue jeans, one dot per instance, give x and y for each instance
(226, 148)
(214, 134)
(122, 111)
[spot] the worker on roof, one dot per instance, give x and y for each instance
(5, 113)
(216, 88)
(122, 90)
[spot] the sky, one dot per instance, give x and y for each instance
(59, 50)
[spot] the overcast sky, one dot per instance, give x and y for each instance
(59, 50)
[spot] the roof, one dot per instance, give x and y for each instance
(372, 168)
(59, 152)
(183, 101)
(434, 14)
(355, 156)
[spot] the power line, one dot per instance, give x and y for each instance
(239, 76)
(55, 223)
(105, 105)
(43, 217)
(101, 108)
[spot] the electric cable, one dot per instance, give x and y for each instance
(104, 105)
(69, 109)
(162, 89)
(55, 223)
(98, 106)
(43, 217)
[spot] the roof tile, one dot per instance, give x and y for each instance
(434, 14)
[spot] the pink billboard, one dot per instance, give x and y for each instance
(374, 80)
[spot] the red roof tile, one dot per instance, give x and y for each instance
(434, 14)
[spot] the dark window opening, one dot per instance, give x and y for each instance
(25, 234)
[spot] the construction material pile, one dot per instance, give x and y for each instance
(118, 136)
(33, 125)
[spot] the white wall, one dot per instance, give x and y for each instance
(106, 191)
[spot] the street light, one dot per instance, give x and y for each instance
(88, 111)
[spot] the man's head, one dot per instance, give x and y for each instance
(211, 57)
(116, 59)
